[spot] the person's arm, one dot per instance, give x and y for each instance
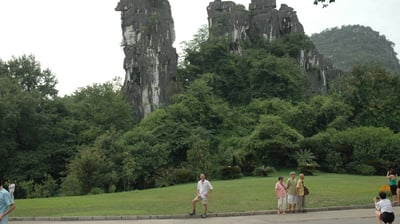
(297, 187)
(210, 188)
(9, 210)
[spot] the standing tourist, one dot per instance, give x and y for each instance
(301, 199)
(203, 188)
(280, 190)
(291, 191)
(391, 175)
(11, 189)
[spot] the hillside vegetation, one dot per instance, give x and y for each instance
(354, 44)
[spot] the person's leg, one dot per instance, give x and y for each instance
(279, 205)
(294, 203)
(284, 205)
(300, 203)
(194, 202)
(378, 216)
(205, 202)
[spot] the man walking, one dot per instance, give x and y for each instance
(203, 188)
(6, 204)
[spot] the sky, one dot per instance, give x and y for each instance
(80, 40)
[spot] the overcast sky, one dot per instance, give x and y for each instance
(79, 40)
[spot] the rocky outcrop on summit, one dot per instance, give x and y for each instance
(150, 60)
(262, 18)
(225, 18)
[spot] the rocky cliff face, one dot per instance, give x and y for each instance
(150, 60)
(225, 18)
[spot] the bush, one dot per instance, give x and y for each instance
(96, 190)
(30, 189)
(263, 171)
(181, 176)
(362, 169)
(230, 172)
(170, 176)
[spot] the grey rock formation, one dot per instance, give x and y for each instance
(228, 18)
(150, 60)
(263, 19)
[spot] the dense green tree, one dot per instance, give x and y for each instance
(27, 72)
(362, 150)
(26, 101)
(273, 141)
(89, 170)
(374, 96)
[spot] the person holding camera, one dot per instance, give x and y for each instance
(391, 175)
(384, 210)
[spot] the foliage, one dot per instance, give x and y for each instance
(47, 188)
(374, 97)
(230, 172)
(306, 161)
(362, 150)
(365, 46)
(290, 45)
(90, 169)
(263, 171)
(272, 141)
(325, 3)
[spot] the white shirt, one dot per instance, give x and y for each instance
(204, 187)
(384, 205)
(11, 188)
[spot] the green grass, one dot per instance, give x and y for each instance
(246, 194)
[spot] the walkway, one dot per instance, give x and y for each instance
(354, 216)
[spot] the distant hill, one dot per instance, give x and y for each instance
(356, 44)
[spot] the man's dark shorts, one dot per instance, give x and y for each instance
(387, 217)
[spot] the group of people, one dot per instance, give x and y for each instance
(384, 210)
(293, 191)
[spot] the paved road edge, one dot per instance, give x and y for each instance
(149, 217)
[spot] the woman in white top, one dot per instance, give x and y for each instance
(384, 211)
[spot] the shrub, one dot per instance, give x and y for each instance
(230, 172)
(181, 176)
(263, 171)
(362, 169)
(170, 176)
(96, 190)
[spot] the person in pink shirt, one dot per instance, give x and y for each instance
(280, 190)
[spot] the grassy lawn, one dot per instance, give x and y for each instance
(246, 194)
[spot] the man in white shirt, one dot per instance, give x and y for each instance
(11, 189)
(384, 211)
(203, 188)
